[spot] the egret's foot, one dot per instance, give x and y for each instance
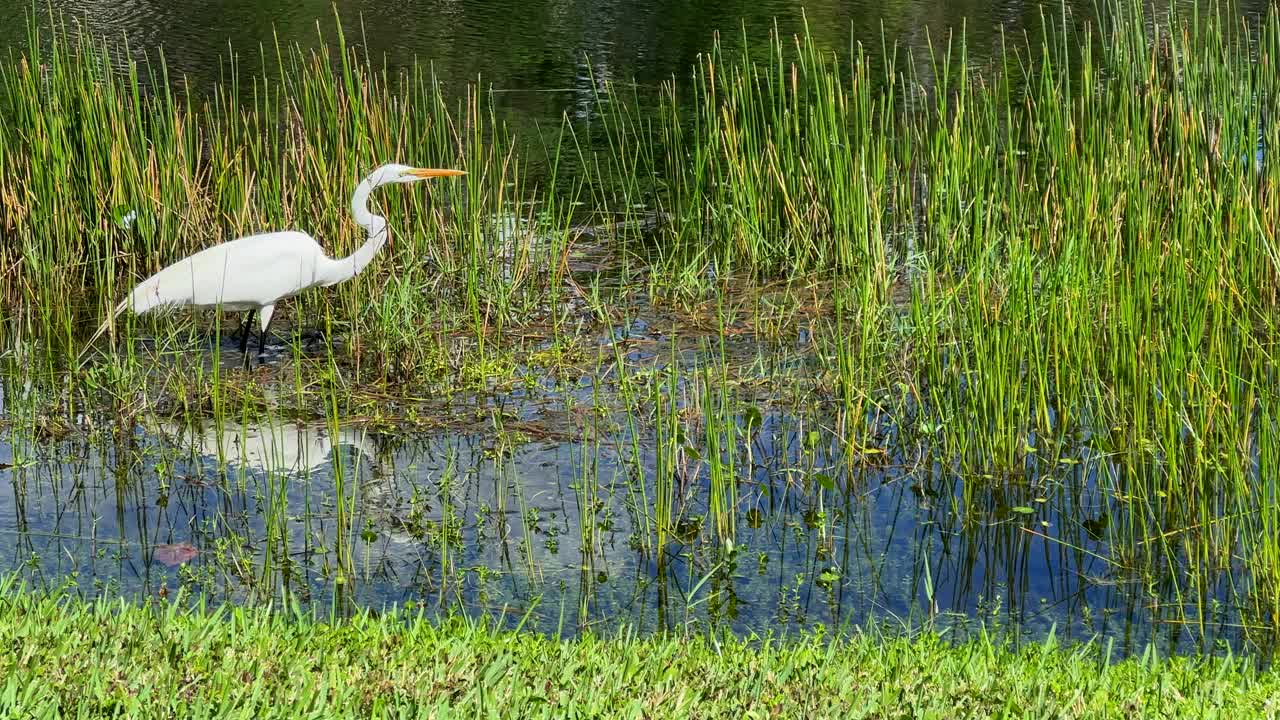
(245, 330)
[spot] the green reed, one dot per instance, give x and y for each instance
(1065, 247)
(87, 142)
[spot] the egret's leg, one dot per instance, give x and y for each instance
(244, 331)
(265, 319)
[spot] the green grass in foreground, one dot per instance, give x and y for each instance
(65, 657)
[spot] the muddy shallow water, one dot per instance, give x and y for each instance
(537, 504)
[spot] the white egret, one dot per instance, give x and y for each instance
(253, 273)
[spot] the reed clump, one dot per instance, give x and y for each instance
(1061, 254)
(111, 171)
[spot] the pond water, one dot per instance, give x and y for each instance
(535, 504)
(547, 58)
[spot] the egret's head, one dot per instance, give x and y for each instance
(394, 173)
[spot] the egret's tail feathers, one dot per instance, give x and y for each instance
(102, 329)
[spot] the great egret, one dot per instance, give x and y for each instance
(253, 273)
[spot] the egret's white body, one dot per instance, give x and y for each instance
(251, 273)
(254, 273)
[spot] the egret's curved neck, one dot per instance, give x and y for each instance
(376, 225)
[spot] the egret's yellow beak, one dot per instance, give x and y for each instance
(434, 172)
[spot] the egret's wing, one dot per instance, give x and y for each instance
(250, 272)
